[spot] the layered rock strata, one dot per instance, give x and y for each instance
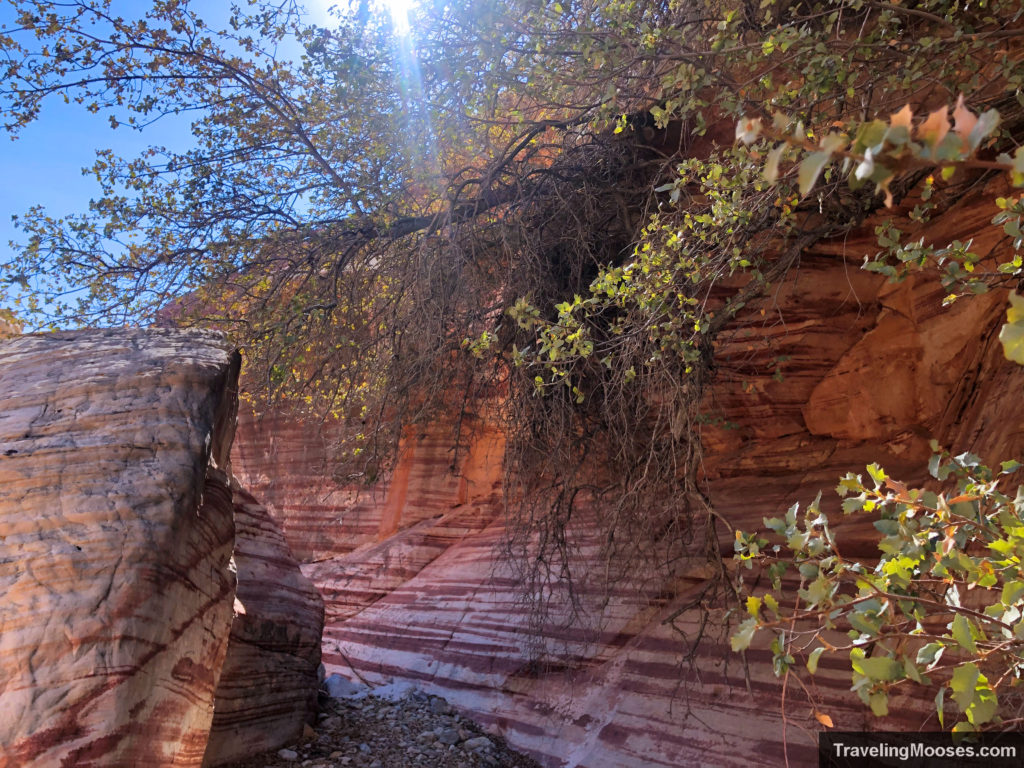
(117, 534)
(867, 371)
(268, 684)
(123, 639)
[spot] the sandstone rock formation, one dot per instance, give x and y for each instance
(417, 591)
(268, 684)
(117, 538)
(117, 531)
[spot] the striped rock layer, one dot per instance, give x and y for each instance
(417, 587)
(117, 540)
(117, 530)
(268, 684)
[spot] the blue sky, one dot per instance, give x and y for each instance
(43, 166)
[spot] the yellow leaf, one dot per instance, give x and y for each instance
(824, 719)
(904, 117)
(934, 129)
(1015, 312)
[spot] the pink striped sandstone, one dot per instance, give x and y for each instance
(268, 684)
(874, 370)
(117, 527)
(117, 542)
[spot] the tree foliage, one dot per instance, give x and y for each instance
(942, 607)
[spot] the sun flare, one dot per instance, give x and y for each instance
(399, 11)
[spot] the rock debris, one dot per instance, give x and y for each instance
(417, 730)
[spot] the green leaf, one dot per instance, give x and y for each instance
(961, 630)
(810, 169)
(808, 570)
(870, 136)
(963, 682)
(879, 703)
(878, 668)
(940, 701)
(812, 660)
(985, 704)
(973, 694)
(930, 654)
(853, 504)
(744, 635)
(911, 671)
(818, 590)
(1012, 591)
(863, 623)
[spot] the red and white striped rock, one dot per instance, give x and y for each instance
(417, 590)
(268, 684)
(115, 545)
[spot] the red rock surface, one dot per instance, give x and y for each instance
(268, 684)
(416, 589)
(116, 543)
(119, 542)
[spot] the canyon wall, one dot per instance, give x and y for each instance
(836, 368)
(117, 559)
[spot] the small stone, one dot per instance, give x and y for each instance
(288, 754)
(439, 706)
(336, 754)
(478, 742)
(338, 687)
(307, 732)
(448, 736)
(427, 737)
(364, 748)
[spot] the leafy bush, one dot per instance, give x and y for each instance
(943, 605)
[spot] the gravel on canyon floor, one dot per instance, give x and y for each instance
(411, 732)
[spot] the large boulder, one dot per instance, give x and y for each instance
(123, 639)
(116, 533)
(268, 685)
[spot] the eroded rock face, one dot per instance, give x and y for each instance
(121, 629)
(287, 465)
(116, 535)
(416, 589)
(268, 686)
